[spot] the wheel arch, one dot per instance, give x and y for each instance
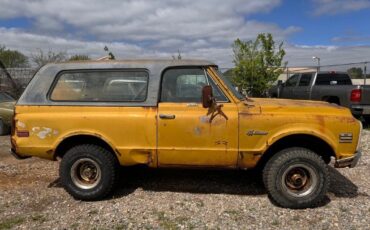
(311, 142)
(82, 138)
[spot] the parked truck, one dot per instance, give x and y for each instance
(95, 116)
(330, 86)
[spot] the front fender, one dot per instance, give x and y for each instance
(318, 131)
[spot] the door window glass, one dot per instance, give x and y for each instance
(186, 84)
(292, 81)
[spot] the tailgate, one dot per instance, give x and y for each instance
(365, 95)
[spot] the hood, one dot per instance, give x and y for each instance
(272, 105)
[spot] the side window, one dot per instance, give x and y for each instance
(305, 79)
(323, 79)
(185, 85)
(338, 79)
(217, 93)
(342, 79)
(292, 81)
(101, 86)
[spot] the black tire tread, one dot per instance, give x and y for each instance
(289, 154)
(4, 130)
(109, 162)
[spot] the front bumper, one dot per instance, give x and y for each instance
(16, 155)
(349, 161)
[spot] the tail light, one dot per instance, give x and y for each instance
(356, 95)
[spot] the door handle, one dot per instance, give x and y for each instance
(167, 116)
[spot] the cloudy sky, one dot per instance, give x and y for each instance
(338, 31)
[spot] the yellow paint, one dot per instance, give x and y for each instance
(192, 139)
(129, 130)
(139, 136)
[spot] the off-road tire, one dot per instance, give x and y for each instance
(106, 162)
(4, 130)
(283, 163)
(367, 120)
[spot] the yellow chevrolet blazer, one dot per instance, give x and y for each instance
(97, 115)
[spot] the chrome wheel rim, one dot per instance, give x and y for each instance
(85, 173)
(299, 180)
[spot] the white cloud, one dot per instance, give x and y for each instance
(158, 28)
(140, 19)
(339, 6)
(351, 38)
(29, 43)
(298, 55)
(138, 28)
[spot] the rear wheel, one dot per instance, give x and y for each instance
(88, 172)
(4, 130)
(296, 178)
(367, 119)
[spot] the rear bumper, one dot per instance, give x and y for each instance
(360, 109)
(16, 155)
(349, 161)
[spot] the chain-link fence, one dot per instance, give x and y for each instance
(358, 71)
(19, 78)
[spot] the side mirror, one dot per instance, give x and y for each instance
(207, 96)
(279, 82)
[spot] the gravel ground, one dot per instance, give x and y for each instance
(31, 198)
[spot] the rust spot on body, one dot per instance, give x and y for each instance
(248, 159)
(50, 151)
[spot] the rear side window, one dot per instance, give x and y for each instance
(101, 86)
(333, 79)
(305, 80)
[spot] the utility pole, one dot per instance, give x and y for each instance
(318, 62)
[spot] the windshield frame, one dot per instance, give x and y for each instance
(229, 85)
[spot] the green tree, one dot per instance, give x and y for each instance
(40, 58)
(355, 72)
(258, 64)
(79, 57)
(13, 58)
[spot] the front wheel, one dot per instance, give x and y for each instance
(88, 172)
(296, 178)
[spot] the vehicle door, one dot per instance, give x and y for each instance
(187, 134)
(286, 90)
(302, 90)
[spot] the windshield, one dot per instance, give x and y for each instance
(229, 85)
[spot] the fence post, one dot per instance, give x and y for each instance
(365, 73)
(287, 73)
